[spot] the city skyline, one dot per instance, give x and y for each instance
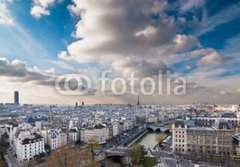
(195, 39)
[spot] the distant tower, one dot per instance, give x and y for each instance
(138, 101)
(76, 105)
(16, 97)
(50, 115)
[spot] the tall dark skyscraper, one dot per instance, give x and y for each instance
(16, 97)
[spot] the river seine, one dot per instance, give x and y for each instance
(149, 140)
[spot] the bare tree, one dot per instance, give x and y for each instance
(160, 138)
(70, 157)
(91, 146)
(136, 153)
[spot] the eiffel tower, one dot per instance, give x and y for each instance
(138, 101)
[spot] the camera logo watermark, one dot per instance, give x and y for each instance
(82, 84)
(73, 84)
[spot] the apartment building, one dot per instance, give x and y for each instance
(73, 134)
(98, 132)
(115, 128)
(179, 137)
(214, 138)
(56, 138)
(28, 142)
(236, 143)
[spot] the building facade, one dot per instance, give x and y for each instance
(209, 139)
(28, 142)
(73, 135)
(98, 132)
(56, 138)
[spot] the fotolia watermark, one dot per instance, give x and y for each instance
(82, 84)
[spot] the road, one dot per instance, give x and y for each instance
(12, 159)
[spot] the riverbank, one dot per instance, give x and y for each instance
(137, 138)
(150, 140)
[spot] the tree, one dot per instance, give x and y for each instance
(160, 138)
(91, 146)
(3, 144)
(31, 163)
(136, 154)
(70, 157)
(149, 162)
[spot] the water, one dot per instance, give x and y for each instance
(149, 140)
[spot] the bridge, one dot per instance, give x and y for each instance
(116, 152)
(158, 128)
(162, 127)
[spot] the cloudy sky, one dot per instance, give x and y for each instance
(195, 39)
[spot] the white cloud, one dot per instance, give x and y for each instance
(223, 92)
(115, 31)
(19, 71)
(199, 52)
(184, 42)
(208, 56)
(210, 59)
(50, 71)
(44, 3)
(62, 64)
(121, 36)
(214, 85)
(191, 4)
(112, 36)
(40, 8)
(210, 23)
(39, 11)
(5, 16)
(148, 32)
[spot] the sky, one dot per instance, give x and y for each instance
(198, 40)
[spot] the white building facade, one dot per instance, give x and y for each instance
(73, 135)
(56, 138)
(28, 142)
(99, 132)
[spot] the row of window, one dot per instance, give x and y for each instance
(180, 132)
(180, 140)
(179, 136)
